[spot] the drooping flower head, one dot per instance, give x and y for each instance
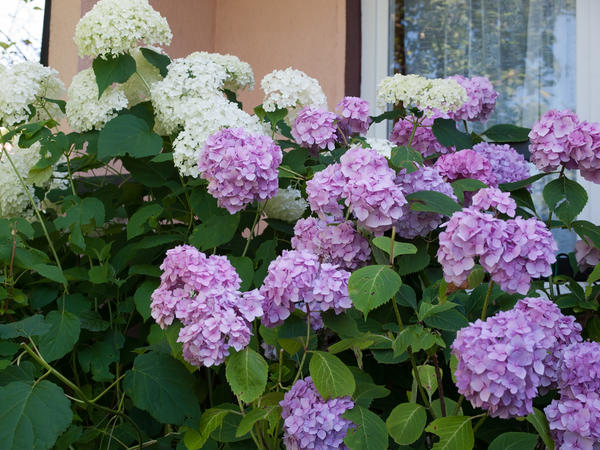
(504, 360)
(25, 86)
(291, 88)
(420, 223)
(315, 129)
(203, 294)
(240, 168)
(423, 140)
(578, 369)
(481, 99)
(287, 205)
(337, 243)
(466, 164)
(586, 254)
(493, 198)
(507, 164)
(85, 111)
(310, 422)
(575, 422)
(354, 115)
(112, 27)
(549, 139)
(324, 191)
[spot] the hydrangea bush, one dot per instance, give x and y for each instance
(183, 271)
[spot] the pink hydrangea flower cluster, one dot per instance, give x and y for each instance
(504, 360)
(513, 252)
(423, 141)
(367, 185)
(315, 129)
(203, 294)
(586, 255)
(336, 243)
(560, 138)
(466, 164)
(481, 99)
(353, 115)
(240, 168)
(494, 198)
(297, 280)
(574, 419)
(310, 422)
(507, 164)
(420, 223)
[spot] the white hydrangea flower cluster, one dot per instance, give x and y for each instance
(29, 83)
(431, 96)
(381, 146)
(291, 88)
(287, 205)
(84, 110)
(239, 73)
(112, 27)
(134, 88)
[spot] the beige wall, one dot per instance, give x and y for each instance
(309, 35)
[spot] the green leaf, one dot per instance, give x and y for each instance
(215, 231)
(414, 263)
(30, 326)
(247, 373)
(161, 386)
(538, 419)
(32, 415)
(466, 185)
(245, 269)
(101, 355)
(127, 134)
(456, 433)
(80, 213)
(566, 198)
(433, 201)
(406, 423)
(587, 230)
(372, 286)
(62, 336)
(516, 185)
(506, 132)
(446, 133)
(51, 150)
(135, 225)
(50, 272)
(370, 433)
(514, 441)
(428, 378)
(210, 420)
(254, 416)
(112, 69)
(400, 248)
(406, 158)
(142, 297)
(331, 376)
(417, 338)
(452, 320)
(158, 60)
(388, 115)
(475, 277)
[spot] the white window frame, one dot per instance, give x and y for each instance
(375, 65)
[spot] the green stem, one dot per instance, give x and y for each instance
(70, 175)
(478, 424)
(487, 299)
(305, 346)
(259, 211)
(397, 312)
(418, 378)
(95, 399)
(254, 438)
(143, 81)
(285, 169)
(550, 278)
(466, 126)
(343, 135)
(414, 130)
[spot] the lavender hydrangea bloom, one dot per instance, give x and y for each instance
(420, 223)
(240, 168)
(296, 280)
(423, 140)
(203, 294)
(503, 360)
(315, 129)
(324, 190)
(353, 115)
(337, 243)
(586, 254)
(466, 164)
(579, 369)
(310, 422)
(549, 139)
(586, 150)
(507, 164)
(489, 198)
(481, 99)
(575, 422)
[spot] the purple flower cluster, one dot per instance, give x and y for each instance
(297, 280)
(335, 243)
(481, 99)
(575, 418)
(353, 115)
(420, 223)
(240, 167)
(315, 129)
(513, 252)
(507, 164)
(560, 138)
(586, 254)
(504, 360)
(365, 182)
(310, 422)
(203, 293)
(466, 164)
(423, 140)
(494, 198)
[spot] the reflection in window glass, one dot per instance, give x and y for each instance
(21, 25)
